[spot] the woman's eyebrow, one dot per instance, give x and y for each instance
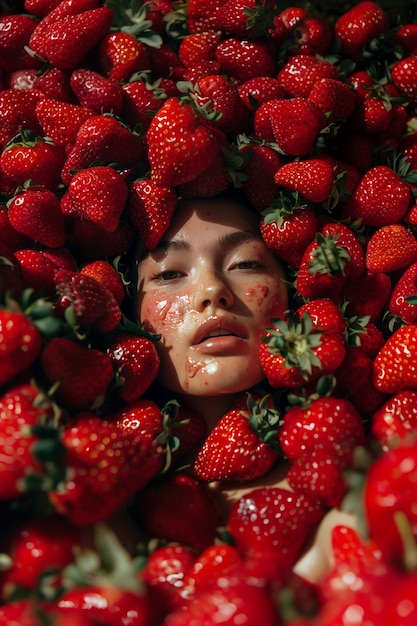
(234, 239)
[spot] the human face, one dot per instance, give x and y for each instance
(209, 289)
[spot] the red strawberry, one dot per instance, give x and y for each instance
(394, 368)
(357, 26)
(61, 120)
(10, 272)
(368, 295)
(65, 41)
(8, 234)
(403, 77)
(91, 242)
(120, 55)
(36, 213)
(54, 84)
(178, 508)
(143, 98)
(319, 477)
(312, 178)
(87, 301)
(106, 274)
(305, 347)
(347, 237)
(246, 20)
(95, 91)
(300, 72)
(262, 164)
(402, 299)
(102, 138)
(242, 445)
(15, 32)
(212, 562)
(211, 182)
(177, 125)
(150, 208)
(259, 89)
(334, 98)
(99, 193)
(218, 99)
(28, 157)
(38, 268)
(274, 522)
(303, 31)
(21, 344)
(296, 124)
(136, 361)
(391, 248)
(199, 47)
(17, 112)
(245, 59)
(396, 419)
(84, 374)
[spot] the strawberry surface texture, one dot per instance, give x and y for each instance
(119, 506)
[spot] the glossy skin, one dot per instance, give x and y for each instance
(211, 274)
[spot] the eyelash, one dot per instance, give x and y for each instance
(160, 276)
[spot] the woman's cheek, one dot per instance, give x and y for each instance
(266, 301)
(163, 314)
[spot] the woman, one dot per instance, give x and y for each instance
(210, 289)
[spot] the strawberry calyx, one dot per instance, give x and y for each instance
(26, 137)
(323, 389)
(264, 419)
(166, 440)
(131, 17)
(260, 18)
(285, 204)
(402, 166)
(328, 257)
(295, 340)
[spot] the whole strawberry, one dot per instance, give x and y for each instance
(393, 367)
(21, 344)
(150, 207)
(359, 26)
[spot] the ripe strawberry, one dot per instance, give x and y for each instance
(305, 347)
(402, 299)
(296, 124)
(242, 445)
(54, 84)
(197, 48)
(202, 15)
(136, 361)
(372, 114)
(8, 234)
(29, 157)
(288, 228)
(95, 91)
(406, 37)
(324, 268)
(334, 98)
(150, 208)
(84, 374)
(368, 295)
(301, 71)
(396, 419)
(391, 248)
(347, 237)
(312, 178)
(381, 197)
(218, 98)
(106, 274)
(61, 120)
(65, 40)
(259, 89)
(216, 560)
(213, 181)
(358, 26)
(178, 509)
(21, 344)
(403, 77)
(36, 213)
(274, 522)
(241, 59)
(17, 113)
(262, 164)
(319, 477)
(99, 193)
(37, 546)
(10, 272)
(142, 98)
(38, 268)
(393, 368)
(104, 139)
(128, 461)
(15, 32)
(91, 242)
(120, 55)
(86, 302)
(246, 20)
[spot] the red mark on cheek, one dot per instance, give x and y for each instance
(258, 294)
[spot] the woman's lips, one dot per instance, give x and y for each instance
(218, 335)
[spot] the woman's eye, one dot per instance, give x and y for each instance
(167, 275)
(247, 265)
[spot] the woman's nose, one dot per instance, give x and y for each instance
(212, 290)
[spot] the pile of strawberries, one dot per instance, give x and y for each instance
(109, 112)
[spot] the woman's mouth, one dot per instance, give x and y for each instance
(219, 336)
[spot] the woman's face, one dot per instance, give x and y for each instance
(209, 289)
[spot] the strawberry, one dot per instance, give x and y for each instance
(347, 237)
(61, 120)
(263, 163)
(310, 34)
(358, 26)
(102, 138)
(10, 272)
(15, 32)
(39, 159)
(142, 98)
(213, 181)
(91, 242)
(21, 344)
(403, 77)
(246, 20)
(65, 40)
(393, 368)
(26, 414)
(296, 123)
(402, 299)
(54, 84)
(107, 274)
(324, 267)
(274, 522)
(9, 235)
(368, 295)
(388, 500)
(319, 477)
(99, 193)
(218, 98)
(120, 55)
(288, 227)
(136, 360)
(196, 146)
(37, 546)
(312, 178)
(243, 59)
(97, 92)
(86, 302)
(259, 89)
(381, 197)
(84, 374)
(212, 562)
(38, 268)
(242, 445)
(17, 112)
(391, 248)
(127, 463)
(150, 208)
(199, 47)
(395, 419)
(301, 71)
(36, 213)
(178, 509)
(305, 347)
(372, 114)
(334, 98)
(202, 15)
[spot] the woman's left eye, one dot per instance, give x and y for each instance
(247, 265)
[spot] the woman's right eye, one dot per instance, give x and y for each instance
(167, 275)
